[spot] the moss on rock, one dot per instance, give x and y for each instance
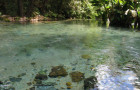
(77, 76)
(58, 71)
(68, 83)
(85, 56)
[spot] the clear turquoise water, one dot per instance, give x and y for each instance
(112, 51)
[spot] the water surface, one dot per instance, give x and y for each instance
(114, 53)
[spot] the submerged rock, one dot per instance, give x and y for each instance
(58, 71)
(32, 88)
(68, 83)
(33, 63)
(41, 77)
(69, 87)
(49, 83)
(77, 76)
(22, 74)
(85, 56)
(90, 83)
(14, 79)
(37, 81)
(1, 82)
(29, 83)
(44, 87)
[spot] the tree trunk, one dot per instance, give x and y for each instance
(138, 23)
(20, 7)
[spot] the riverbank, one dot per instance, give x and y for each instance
(37, 18)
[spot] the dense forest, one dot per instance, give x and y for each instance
(124, 13)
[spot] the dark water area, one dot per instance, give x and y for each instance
(68, 49)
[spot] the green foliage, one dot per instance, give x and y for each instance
(82, 9)
(50, 8)
(138, 11)
(115, 10)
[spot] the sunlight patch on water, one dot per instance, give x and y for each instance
(115, 80)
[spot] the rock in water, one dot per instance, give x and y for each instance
(45, 88)
(32, 88)
(58, 71)
(1, 82)
(15, 79)
(68, 83)
(41, 77)
(77, 76)
(85, 56)
(90, 83)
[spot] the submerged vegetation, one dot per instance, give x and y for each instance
(122, 13)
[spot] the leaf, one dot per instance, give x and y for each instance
(139, 13)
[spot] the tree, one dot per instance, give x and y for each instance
(20, 8)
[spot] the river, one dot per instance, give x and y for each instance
(111, 54)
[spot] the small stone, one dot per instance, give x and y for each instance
(85, 56)
(29, 83)
(33, 63)
(62, 88)
(41, 77)
(73, 69)
(22, 74)
(32, 88)
(58, 71)
(49, 83)
(90, 83)
(68, 83)
(77, 76)
(36, 81)
(69, 87)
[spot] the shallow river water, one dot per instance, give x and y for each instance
(111, 55)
